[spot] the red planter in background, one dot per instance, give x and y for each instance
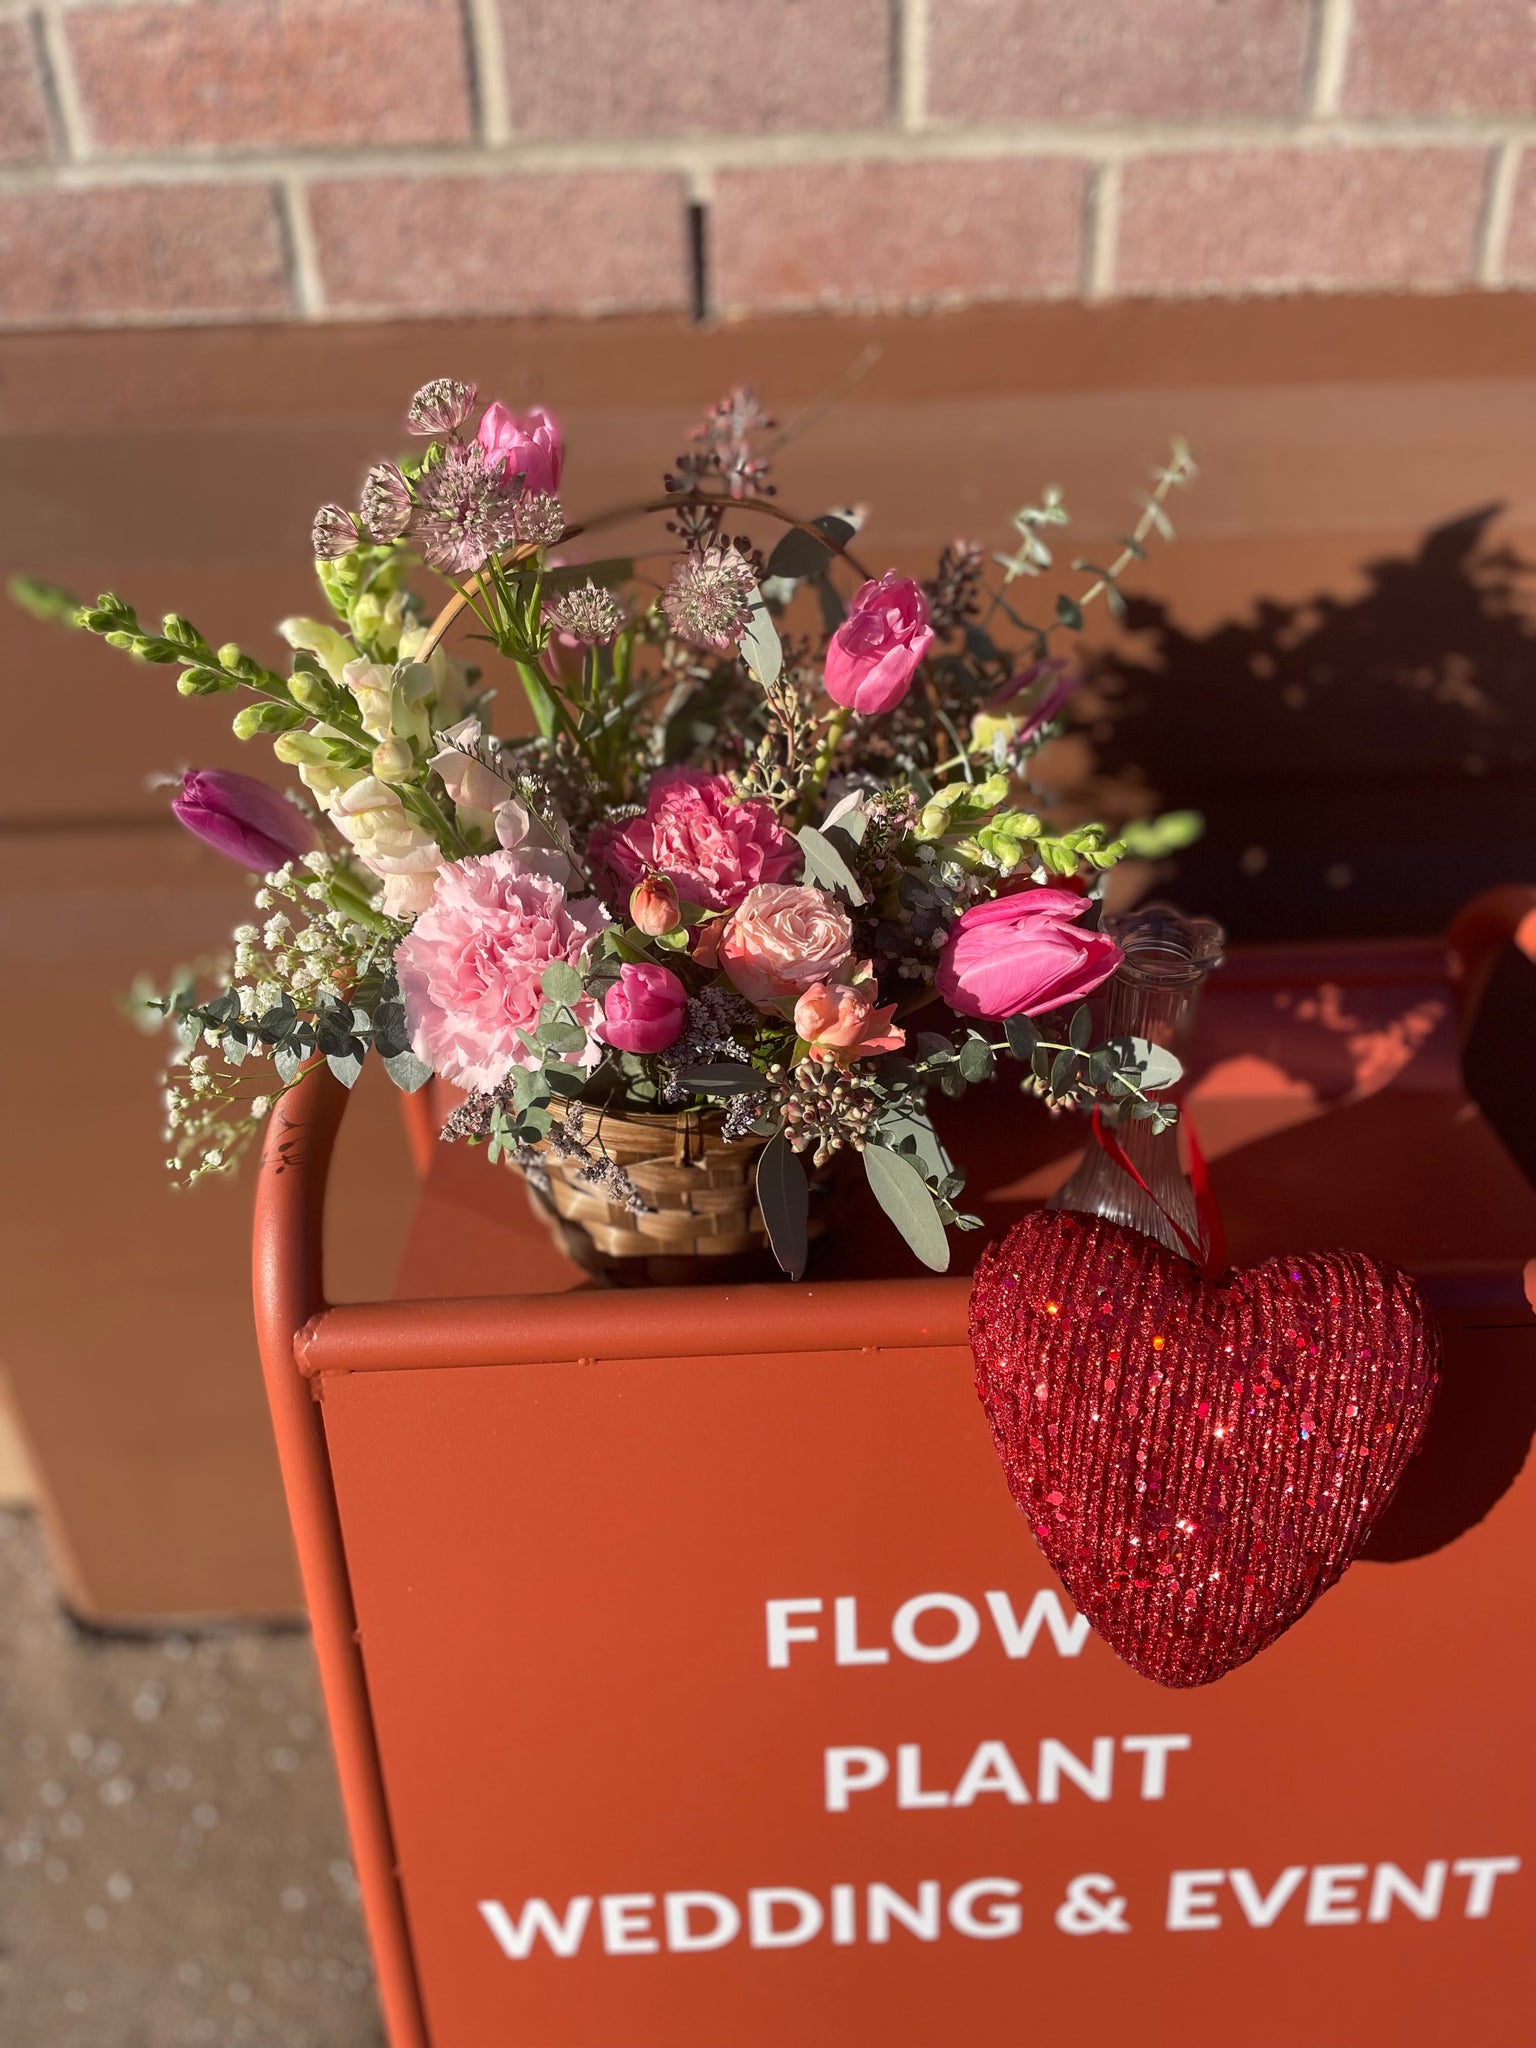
(628, 1596)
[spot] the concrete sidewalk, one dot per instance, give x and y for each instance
(173, 1865)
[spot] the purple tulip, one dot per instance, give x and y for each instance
(243, 818)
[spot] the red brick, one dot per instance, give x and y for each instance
(551, 242)
(686, 67)
(1441, 57)
(1265, 219)
(843, 236)
(25, 129)
(157, 252)
(1057, 60)
(1520, 255)
(251, 74)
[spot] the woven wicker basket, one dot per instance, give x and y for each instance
(701, 1220)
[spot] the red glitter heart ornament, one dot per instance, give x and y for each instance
(1199, 1459)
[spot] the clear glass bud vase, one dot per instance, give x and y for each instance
(1152, 996)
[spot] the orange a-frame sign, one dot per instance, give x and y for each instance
(694, 1681)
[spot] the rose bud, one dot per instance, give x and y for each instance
(653, 906)
(875, 652)
(1016, 956)
(243, 818)
(645, 1008)
(530, 444)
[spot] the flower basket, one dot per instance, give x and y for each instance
(699, 1196)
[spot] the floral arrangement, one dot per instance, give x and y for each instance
(769, 858)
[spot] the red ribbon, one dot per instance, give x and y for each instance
(1211, 1256)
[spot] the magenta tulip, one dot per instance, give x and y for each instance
(1019, 955)
(645, 1008)
(243, 818)
(875, 652)
(530, 444)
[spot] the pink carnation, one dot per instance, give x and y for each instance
(711, 850)
(471, 970)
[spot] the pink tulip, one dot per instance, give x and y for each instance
(530, 443)
(875, 652)
(645, 1008)
(244, 818)
(1019, 955)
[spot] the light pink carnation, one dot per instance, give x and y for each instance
(710, 849)
(780, 940)
(470, 972)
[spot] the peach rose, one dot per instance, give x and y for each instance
(781, 938)
(839, 1021)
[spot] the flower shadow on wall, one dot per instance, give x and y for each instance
(1328, 742)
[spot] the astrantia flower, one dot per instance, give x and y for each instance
(538, 520)
(709, 599)
(463, 515)
(335, 533)
(440, 406)
(471, 972)
(386, 506)
(589, 614)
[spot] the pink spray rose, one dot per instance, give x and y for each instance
(782, 938)
(711, 849)
(530, 442)
(470, 971)
(1018, 955)
(839, 1021)
(645, 1008)
(875, 651)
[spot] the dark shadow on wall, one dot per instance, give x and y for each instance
(1364, 765)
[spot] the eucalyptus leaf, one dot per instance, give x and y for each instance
(345, 1066)
(976, 1060)
(1159, 1068)
(407, 1071)
(905, 1131)
(558, 1037)
(826, 866)
(1080, 1030)
(784, 1196)
(799, 554)
(1063, 1068)
(1023, 1035)
(903, 1194)
(761, 648)
(616, 569)
(561, 983)
(722, 1077)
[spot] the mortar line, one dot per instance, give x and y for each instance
(1101, 239)
(304, 272)
(1332, 25)
(1498, 212)
(488, 70)
(697, 160)
(912, 64)
(61, 85)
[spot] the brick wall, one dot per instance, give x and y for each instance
(195, 160)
